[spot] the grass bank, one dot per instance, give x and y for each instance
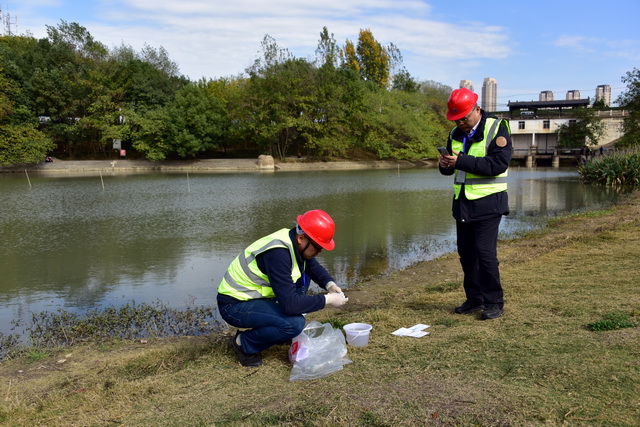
(541, 364)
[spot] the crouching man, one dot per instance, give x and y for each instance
(264, 288)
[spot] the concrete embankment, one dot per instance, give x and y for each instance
(206, 165)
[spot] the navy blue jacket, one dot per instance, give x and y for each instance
(495, 162)
(276, 264)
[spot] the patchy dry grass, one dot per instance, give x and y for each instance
(538, 365)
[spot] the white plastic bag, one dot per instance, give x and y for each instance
(317, 352)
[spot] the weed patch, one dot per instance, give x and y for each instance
(612, 322)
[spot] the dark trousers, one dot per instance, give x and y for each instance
(271, 325)
(477, 247)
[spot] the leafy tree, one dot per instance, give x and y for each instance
(197, 121)
(77, 39)
(403, 81)
(630, 101)
(349, 57)
(338, 113)
(436, 96)
(400, 125)
(192, 124)
(149, 132)
(586, 129)
(327, 52)
(369, 58)
(20, 140)
(280, 99)
(374, 62)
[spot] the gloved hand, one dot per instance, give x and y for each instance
(333, 288)
(335, 300)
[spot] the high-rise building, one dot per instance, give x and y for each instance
(490, 94)
(546, 95)
(603, 92)
(466, 83)
(573, 94)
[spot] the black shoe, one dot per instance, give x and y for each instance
(249, 360)
(492, 313)
(468, 308)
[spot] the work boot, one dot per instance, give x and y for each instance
(492, 313)
(468, 308)
(249, 360)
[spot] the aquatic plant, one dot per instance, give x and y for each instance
(130, 321)
(616, 170)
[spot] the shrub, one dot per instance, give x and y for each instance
(616, 170)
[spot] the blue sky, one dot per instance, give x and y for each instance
(527, 47)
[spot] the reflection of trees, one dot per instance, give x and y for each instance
(85, 260)
(539, 197)
(377, 230)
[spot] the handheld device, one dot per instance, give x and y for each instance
(443, 151)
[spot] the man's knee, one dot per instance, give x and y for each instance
(296, 325)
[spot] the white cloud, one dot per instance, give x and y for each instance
(215, 39)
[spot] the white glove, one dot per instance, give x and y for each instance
(333, 288)
(335, 300)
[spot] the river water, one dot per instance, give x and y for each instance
(84, 242)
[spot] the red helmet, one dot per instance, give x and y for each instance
(319, 226)
(460, 103)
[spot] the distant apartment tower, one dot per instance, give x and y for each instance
(466, 83)
(603, 92)
(573, 94)
(490, 94)
(546, 95)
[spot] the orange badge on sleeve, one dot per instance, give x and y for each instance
(501, 141)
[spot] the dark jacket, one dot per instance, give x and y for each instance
(495, 162)
(276, 264)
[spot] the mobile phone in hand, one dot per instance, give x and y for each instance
(443, 151)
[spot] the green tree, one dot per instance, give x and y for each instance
(337, 115)
(197, 121)
(20, 140)
(630, 101)
(280, 100)
(586, 129)
(327, 52)
(149, 132)
(403, 81)
(400, 125)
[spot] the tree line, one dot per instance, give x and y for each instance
(68, 94)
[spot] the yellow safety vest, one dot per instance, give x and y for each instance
(244, 280)
(477, 186)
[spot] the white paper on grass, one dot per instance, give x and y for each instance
(416, 331)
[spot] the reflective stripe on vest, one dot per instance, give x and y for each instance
(477, 186)
(244, 280)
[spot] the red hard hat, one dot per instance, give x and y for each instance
(460, 103)
(319, 226)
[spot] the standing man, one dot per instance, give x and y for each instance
(265, 287)
(480, 152)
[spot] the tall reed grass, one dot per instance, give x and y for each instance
(619, 169)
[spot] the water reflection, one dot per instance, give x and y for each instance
(69, 243)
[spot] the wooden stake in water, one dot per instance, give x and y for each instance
(188, 183)
(101, 180)
(28, 180)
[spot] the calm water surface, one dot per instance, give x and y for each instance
(70, 243)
